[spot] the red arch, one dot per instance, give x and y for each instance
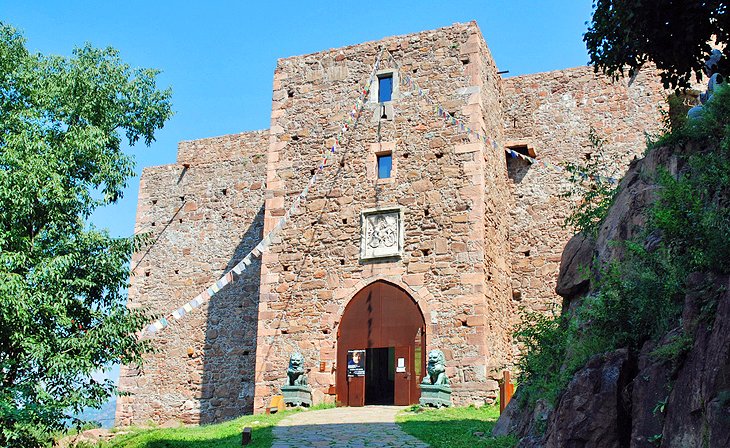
(381, 315)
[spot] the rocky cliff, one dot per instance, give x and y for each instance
(670, 388)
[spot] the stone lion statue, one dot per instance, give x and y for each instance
(436, 369)
(715, 79)
(295, 372)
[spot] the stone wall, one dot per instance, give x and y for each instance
(204, 213)
(496, 246)
(314, 268)
(552, 113)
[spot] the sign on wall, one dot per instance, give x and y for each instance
(356, 363)
(381, 233)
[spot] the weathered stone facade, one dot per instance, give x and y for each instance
(476, 241)
(206, 211)
(450, 246)
(554, 112)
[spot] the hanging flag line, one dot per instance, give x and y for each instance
(263, 245)
(440, 111)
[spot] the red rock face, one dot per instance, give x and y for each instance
(592, 411)
(698, 408)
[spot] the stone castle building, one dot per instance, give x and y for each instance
(420, 234)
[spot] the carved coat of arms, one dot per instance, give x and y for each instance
(382, 233)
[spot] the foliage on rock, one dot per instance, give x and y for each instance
(640, 297)
(594, 191)
(62, 305)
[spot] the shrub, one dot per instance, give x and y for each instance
(594, 191)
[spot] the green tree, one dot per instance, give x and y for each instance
(62, 281)
(674, 34)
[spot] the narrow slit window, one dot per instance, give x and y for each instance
(385, 88)
(385, 165)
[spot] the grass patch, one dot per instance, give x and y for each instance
(222, 435)
(454, 427)
(321, 406)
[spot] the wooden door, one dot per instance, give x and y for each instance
(379, 315)
(403, 376)
(355, 391)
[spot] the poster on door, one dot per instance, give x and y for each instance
(356, 363)
(401, 366)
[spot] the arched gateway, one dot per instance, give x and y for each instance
(383, 323)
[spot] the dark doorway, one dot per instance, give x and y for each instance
(379, 381)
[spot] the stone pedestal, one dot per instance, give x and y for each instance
(297, 395)
(435, 395)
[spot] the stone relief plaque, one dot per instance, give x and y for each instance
(381, 233)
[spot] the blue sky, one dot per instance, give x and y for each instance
(219, 56)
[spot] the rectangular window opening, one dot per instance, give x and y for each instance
(385, 165)
(385, 87)
(521, 149)
(517, 166)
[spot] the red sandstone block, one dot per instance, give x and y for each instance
(468, 299)
(414, 267)
(475, 340)
(467, 148)
(341, 293)
(262, 390)
(268, 331)
(324, 294)
(270, 278)
(471, 278)
(332, 308)
(414, 279)
(267, 315)
(442, 245)
(475, 99)
(313, 284)
(274, 203)
(322, 379)
(474, 321)
(470, 47)
(471, 192)
(327, 354)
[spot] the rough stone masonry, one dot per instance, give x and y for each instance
(481, 233)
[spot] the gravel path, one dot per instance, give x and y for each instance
(344, 427)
